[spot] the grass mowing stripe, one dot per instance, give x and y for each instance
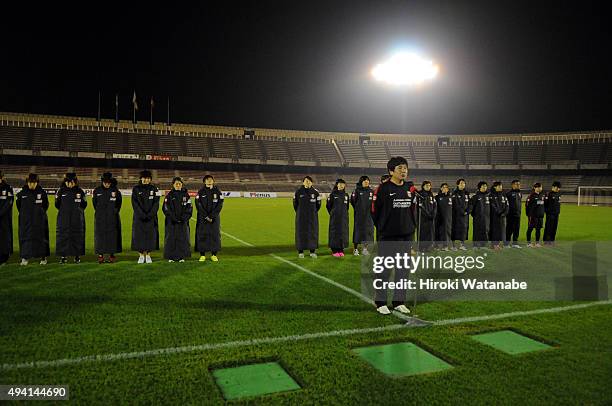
(460, 320)
(194, 348)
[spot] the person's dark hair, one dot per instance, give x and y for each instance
(481, 183)
(146, 174)
(207, 177)
(557, 184)
(515, 181)
(70, 177)
(459, 181)
(536, 185)
(361, 179)
(396, 161)
(384, 178)
(339, 180)
(444, 184)
(425, 182)
(495, 184)
(107, 177)
(177, 178)
(32, 178)
(307, 177)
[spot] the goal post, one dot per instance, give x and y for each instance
(594, 195)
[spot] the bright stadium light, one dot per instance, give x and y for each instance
(405, 69)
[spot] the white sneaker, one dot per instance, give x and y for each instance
(516, 246)
(356, 252)
(383, 310)
(313, 255)
(43, 261)
(402, 309)
(23, 262)
(301, 255)
(148, 259)
(170, 260)
(141, 259)
(454, 249)
(530, 245)
(462, 248)
(365, 251)
(181, 260)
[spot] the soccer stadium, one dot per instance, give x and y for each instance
(360, 203)
(109, 330)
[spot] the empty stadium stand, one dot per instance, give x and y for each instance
(277, 160)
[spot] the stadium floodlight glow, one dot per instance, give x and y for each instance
(405, 69)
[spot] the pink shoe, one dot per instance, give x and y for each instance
(336, 254)
(341, 254)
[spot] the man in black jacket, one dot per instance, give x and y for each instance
(209, 203)
(307, 203)
(535, 212)
(393, 212)
(6, 220)
(426, 217)
(107, 200)
(499, 211)
(513, 220)
(32, 204)
(461, 215)
(480, 208)
(444, 218)
(552, 207)
(145, 231)
(70, 201)
(363, 229)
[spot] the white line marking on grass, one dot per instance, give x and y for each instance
(519, 313)
(321, 277)
(195, 348)
(275, 340)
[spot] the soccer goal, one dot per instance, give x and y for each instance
(595, 195)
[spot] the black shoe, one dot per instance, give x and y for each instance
(77, 260)
(63, 260)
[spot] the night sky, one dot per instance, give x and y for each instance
(505, 66)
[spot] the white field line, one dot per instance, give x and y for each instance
(320, 277)
(282, 339)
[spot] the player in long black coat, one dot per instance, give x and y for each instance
(178, 210)
(145, 230)
(363, 225)
(6, 220)
(32, 203)
(480, 208)
(535, 209)
(461, 214)
(499, 211)
(444, 218)
(337, 206)
(209, 203)
(552, 207)
(107, 201)
(513, 220)
(70, 202)
(306, 203)
(426, 216)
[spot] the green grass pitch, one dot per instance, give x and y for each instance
(56, 312)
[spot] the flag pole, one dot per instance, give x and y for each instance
(116, 107)
(99, 106)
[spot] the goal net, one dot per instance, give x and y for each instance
(595, 195)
